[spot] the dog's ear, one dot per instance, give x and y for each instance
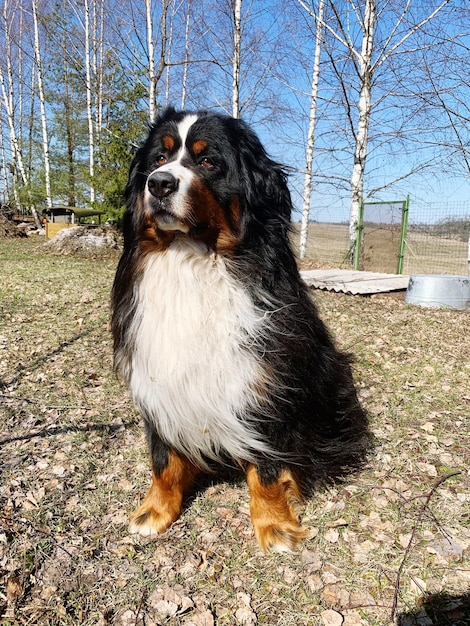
(263, 182)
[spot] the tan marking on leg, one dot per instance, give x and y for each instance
(273, 515)
(162, 505)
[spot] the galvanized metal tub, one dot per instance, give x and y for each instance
(440, 291)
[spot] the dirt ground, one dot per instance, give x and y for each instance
(389, 545)
(8, 228)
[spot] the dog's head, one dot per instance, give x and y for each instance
(206, 176)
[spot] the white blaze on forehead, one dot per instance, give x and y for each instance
(183, 130)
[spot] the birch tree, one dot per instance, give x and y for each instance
(67, 117)
(155, 71)
(365, 73)
(7, 84)
(98, 65)
(186, 55)
(3, 166)
(311, 132)
(236, 59)
(89, 100)
(151, 62)
(367, 60)
(21, 176)
(42, 101)
(17, 158)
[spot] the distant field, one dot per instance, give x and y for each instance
(427, 254)
(327, 246)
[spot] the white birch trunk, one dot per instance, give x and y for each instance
(15, 149)
(17, 157)
(311, 133)
(364, 111)
(167, 58)
(98, 48)
(4, 166)
(91, 134)
(42, 102)
(20, 81)
(8, 96)
(151, 62)
(17, 164)
(237, 35)
(186, 55)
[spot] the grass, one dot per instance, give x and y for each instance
(73, 464)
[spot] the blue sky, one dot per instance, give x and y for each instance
(278, 47)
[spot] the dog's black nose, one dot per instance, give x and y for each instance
(161, 184)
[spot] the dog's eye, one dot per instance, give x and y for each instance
(207, 163)
(161, 159)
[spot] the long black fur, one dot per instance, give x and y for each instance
(315, 420)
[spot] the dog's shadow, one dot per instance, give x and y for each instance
(440, 609)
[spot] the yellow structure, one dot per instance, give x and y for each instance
(60, 217)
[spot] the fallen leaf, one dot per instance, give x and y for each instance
(315, 583)
(332, 536)
(128, 618)
(312, 560)
(164, 608)
(361, 551)
(59, 470)
(427, 468)
(244, 615)
(337, 523)
(205, 618)
(334, 595)
(417, 586)
(352, 618)
(289, 575)
(404, 540)
(362, 599)
(428, 427)
(446, 546)
(14, 589)
(330, 595)
(331, 618)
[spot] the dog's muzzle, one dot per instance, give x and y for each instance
(160, 186)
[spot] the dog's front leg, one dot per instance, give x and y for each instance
(273, 515)
(172, 476)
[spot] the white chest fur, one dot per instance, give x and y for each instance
(194, 372)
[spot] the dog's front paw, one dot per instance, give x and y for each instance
(147, 521)
(162, 504)
(279, 536)
(273, 514)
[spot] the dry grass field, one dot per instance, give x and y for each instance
(327, 244)
(389, 545)
(424, 254)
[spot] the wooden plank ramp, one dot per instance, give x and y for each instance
(354, 282)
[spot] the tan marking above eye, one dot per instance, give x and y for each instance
(199, 146)
(168, 142)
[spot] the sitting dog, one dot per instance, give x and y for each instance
(215, 334)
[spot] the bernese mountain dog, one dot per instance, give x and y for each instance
(215, 334)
